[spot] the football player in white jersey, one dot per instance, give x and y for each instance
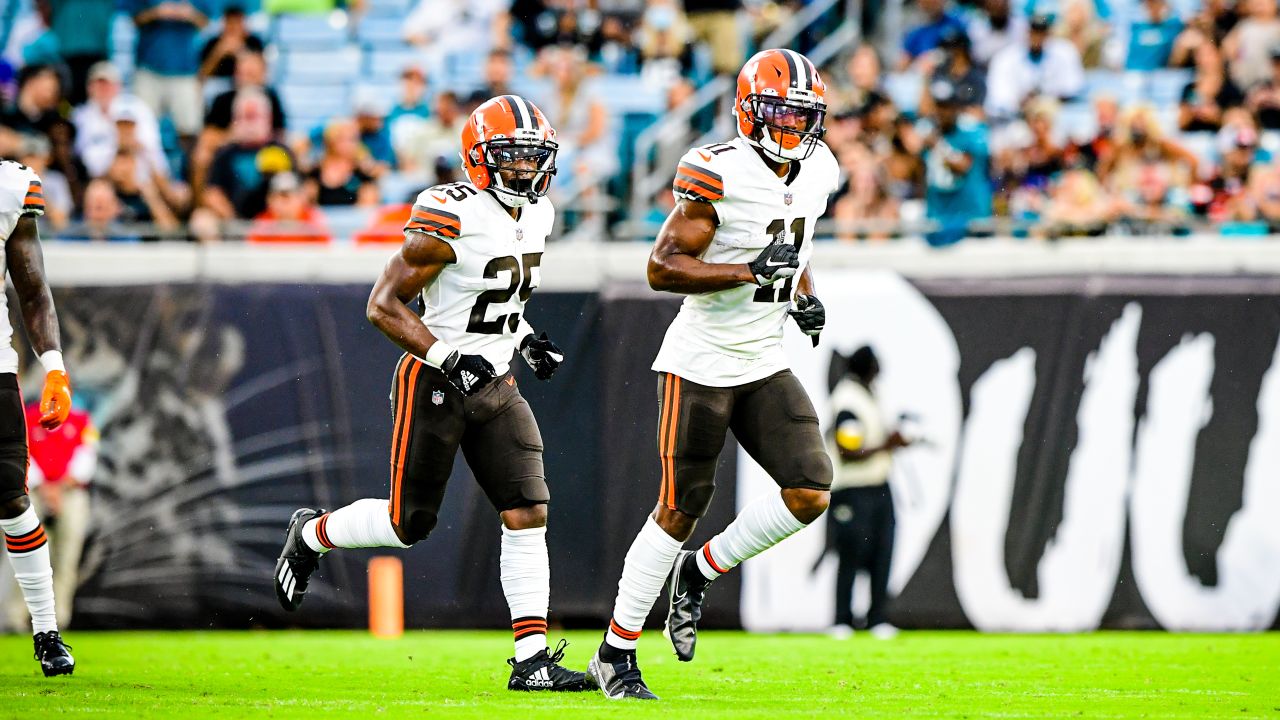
(737, 245)
(21, 202)
(472, 252)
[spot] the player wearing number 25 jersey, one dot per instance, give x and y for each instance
(737, 245)
(471, 253)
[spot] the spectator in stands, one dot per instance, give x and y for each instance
(100, 220)
(862, 77)
(1078, 205)
(1208, 93)
(1097, 151)
(1140, 144)
(250, 73)
(167, 62)
(937, 23)
(1081, 27)
(95, 122)
(865, 200)
(412, 102)
(140, 200)
(715, 22)
(1044, 66)
(289, 216)
(370, 116)
(894, 144)
(1264, 193)
(1264, 98)
(218, 56)
(236, 186)
(34, 110)
(1151, 37)
(588, 142)
(956, 165)
(616, 51)
(1153, 201)
(150, 175)
(250, 77)
(1238, 153)
(994, 30)
(83, 30)
(34, 151)
(1027, 166)
(499, 69)
(420, 145)
(955, 66)
(344, 174)
(1248, 47)
(664, 38)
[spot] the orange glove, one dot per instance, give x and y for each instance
(55, 401)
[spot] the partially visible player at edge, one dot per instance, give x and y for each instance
(472, 252)
(737, 244)
(21, 202)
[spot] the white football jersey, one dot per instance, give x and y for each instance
(734, 336)
(20, 194)
(477, 303)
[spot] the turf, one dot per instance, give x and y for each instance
(462, 675)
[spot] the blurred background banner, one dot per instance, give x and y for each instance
(1099, 451)
(1115, 466)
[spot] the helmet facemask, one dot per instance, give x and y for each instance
(519, 170)
(789, 128)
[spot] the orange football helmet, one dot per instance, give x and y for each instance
(508, 147)
(781, 104)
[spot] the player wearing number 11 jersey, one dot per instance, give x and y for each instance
(472, 252)
(737, 245)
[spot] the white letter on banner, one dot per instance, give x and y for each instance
(1248, 592)
(1078, 572)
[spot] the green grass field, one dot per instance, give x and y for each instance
(462, 675)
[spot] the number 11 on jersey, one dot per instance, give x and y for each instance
(781, 292)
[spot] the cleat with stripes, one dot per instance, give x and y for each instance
(297, 561)
(686, 589)
(543, 672)
(53, 654)
(619, 680)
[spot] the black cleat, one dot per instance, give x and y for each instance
(53, 654)
(686, 588)
(297, 561)
(619, 680)
(543, 672)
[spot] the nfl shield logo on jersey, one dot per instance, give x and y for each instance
(437, 397)
(519, 234)
(787, 198)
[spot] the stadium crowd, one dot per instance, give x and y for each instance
(1091, 117)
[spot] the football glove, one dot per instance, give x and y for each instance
(55, 400)
(543, 355)
(468, 373)
(776, 262)
(809, 315)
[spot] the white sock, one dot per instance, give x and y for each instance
(643, 573)
(28, 548)
(761, 525)
(526, 581)
(362, 524)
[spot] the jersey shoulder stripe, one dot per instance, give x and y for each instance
(699, 181)
(33, 204)
(434, 221)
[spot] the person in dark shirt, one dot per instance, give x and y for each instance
(250, 72)
(956, 66)
(34, 111)
(1264, 98)
(218, 56)
(238, 177)
(1208, 94)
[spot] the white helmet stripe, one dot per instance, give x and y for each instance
(802, 64)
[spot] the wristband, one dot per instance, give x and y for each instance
(52, 360)
(438, 353)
